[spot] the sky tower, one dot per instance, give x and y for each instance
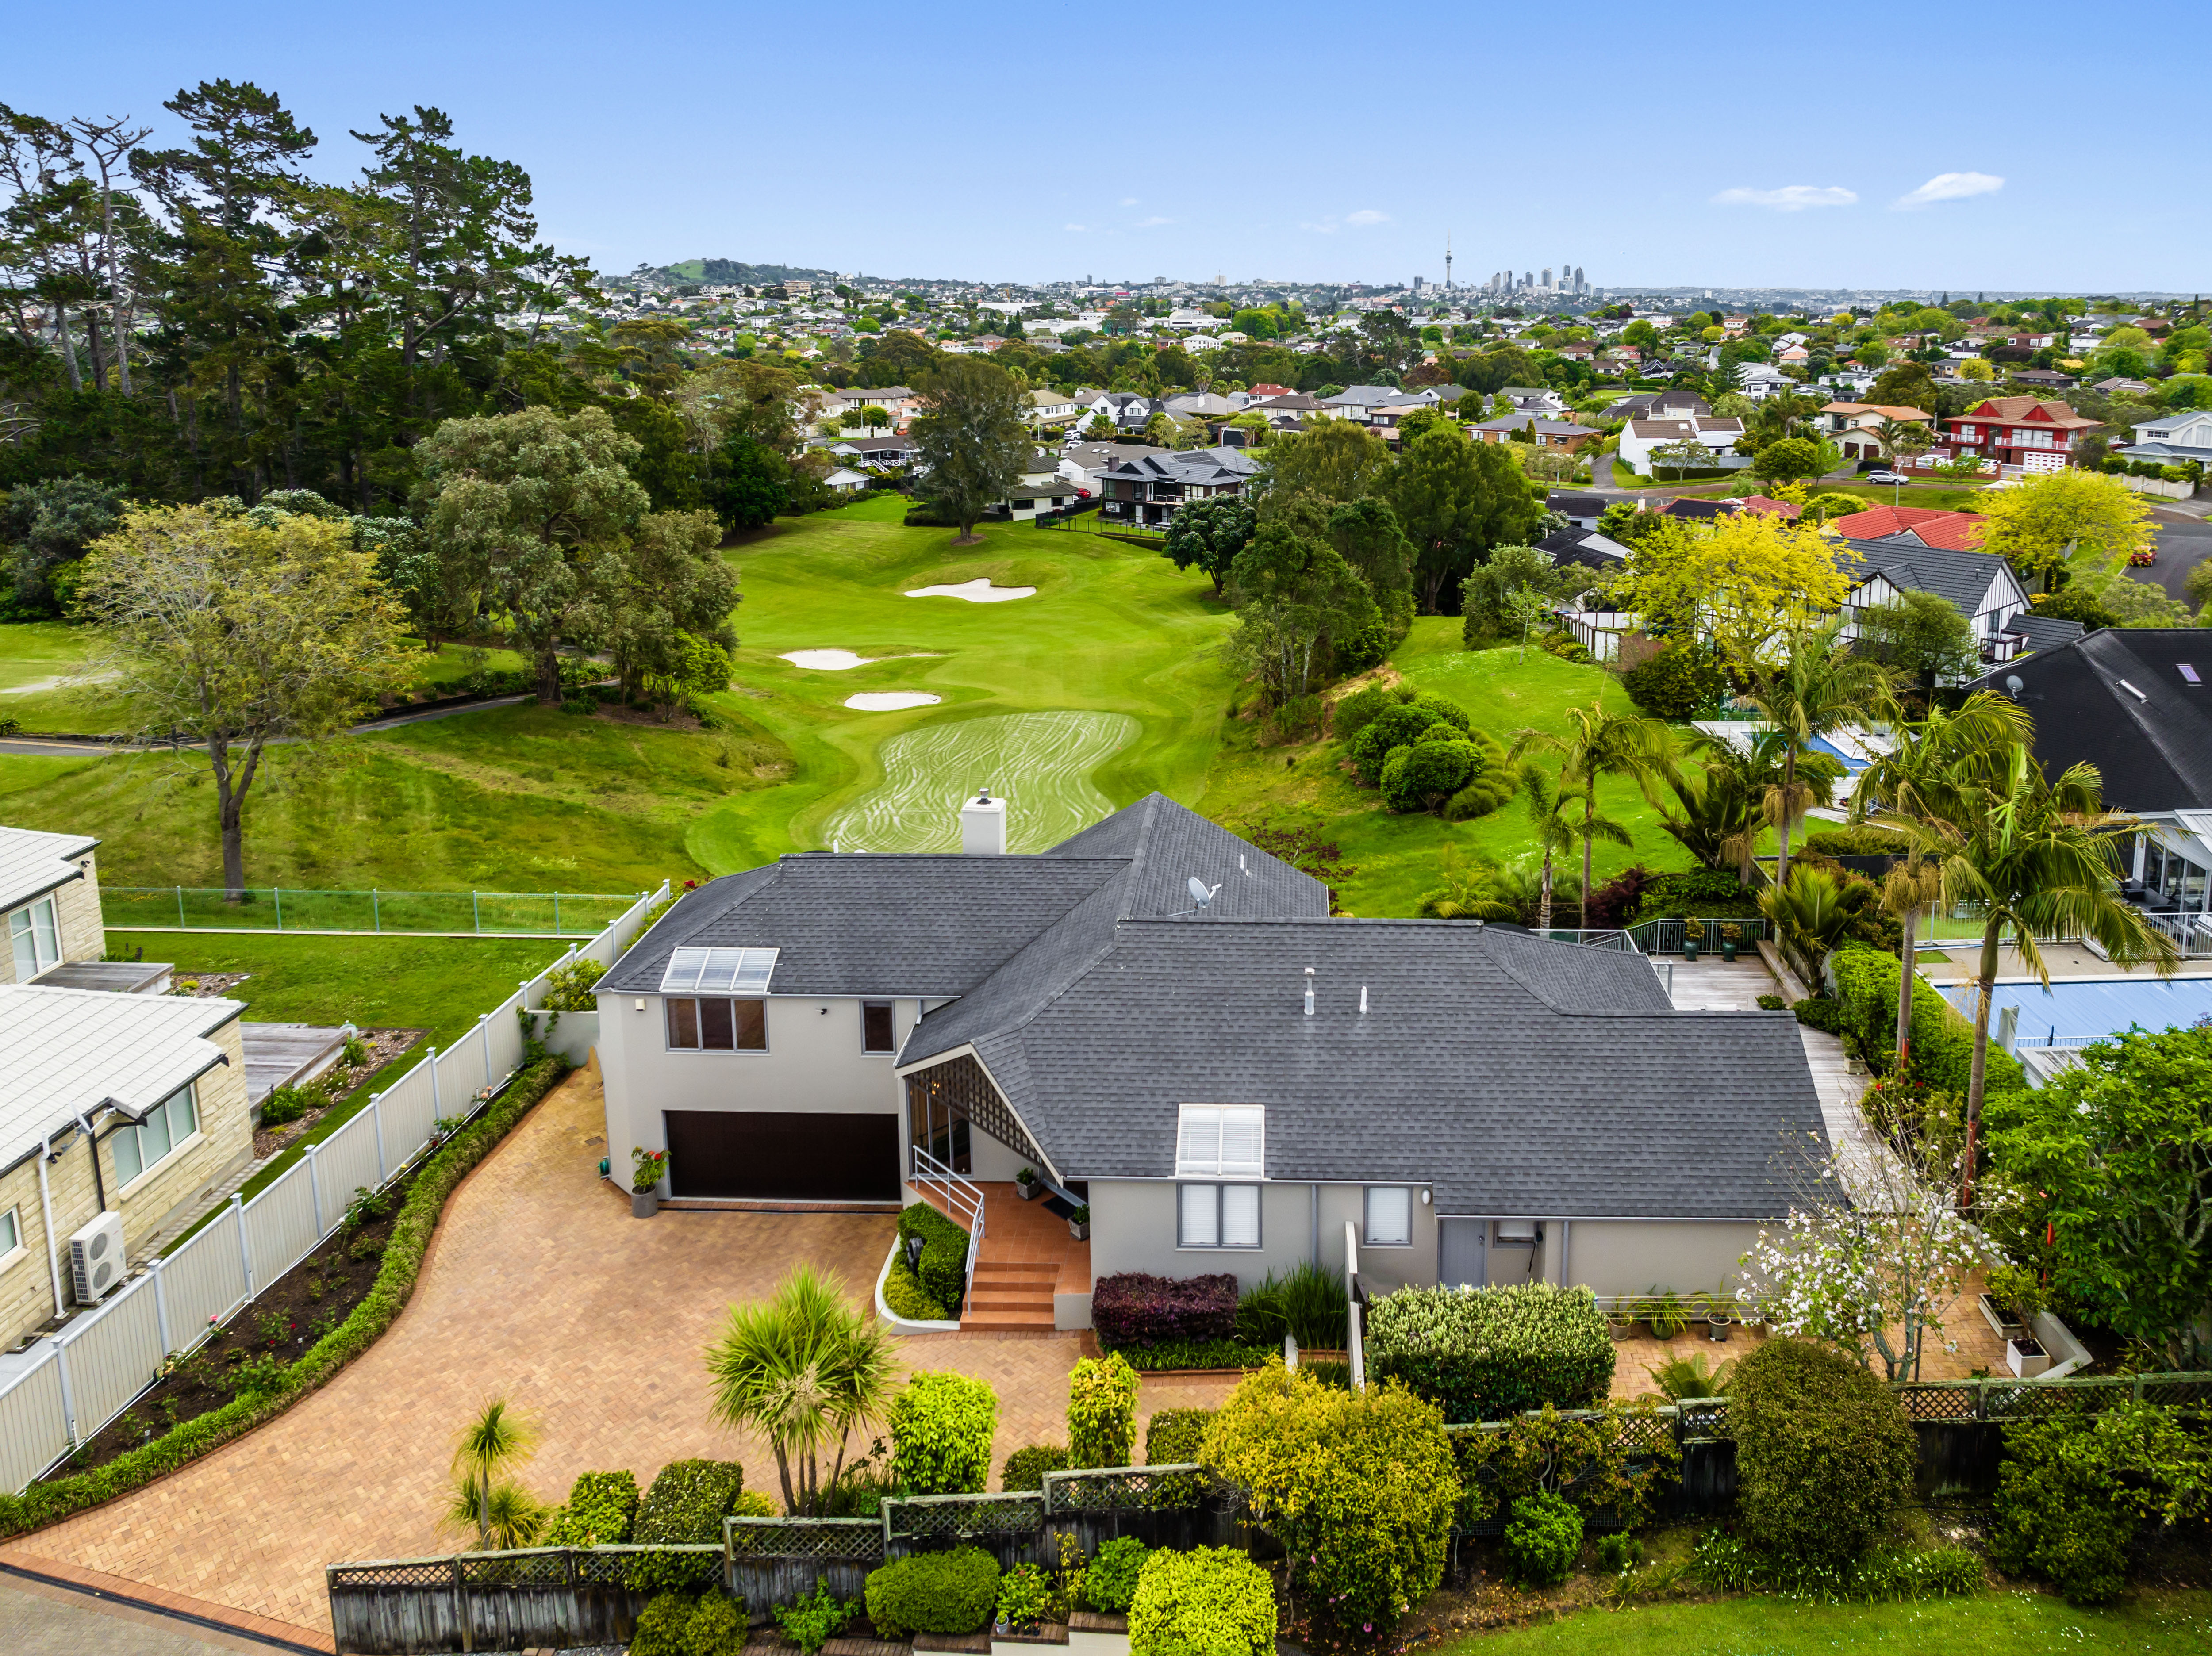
(1448, 281)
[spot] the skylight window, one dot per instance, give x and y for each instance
(2188, 673)
(719, 972)
(1221, 1141)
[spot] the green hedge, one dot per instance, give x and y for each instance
(950, 1592)
(944, 1270)
(1486, 1353)
(1210, 1601)
(941, 1427)
(1026, 1467)
(601, 1508)
(906, 1296)
(50, 1502)
(1942, 1039)
(1824, 1454)
(1176, 1437)
(686, 1507)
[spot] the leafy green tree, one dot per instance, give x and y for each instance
(752, 483)
(1597, 744)
(970, 439)
(524, 508)
(1640, 334)
(1922, 637)
(661, 601)
(1254, 322)
(1369, 535)
(1906, 386)
(1457, 500)
(46, 527)
(1207, 535)
(234, 635)
(1334, 461)
(1787, 460)
(1294, 593)
(2063, 516)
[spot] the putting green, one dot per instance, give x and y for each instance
(1041, 763)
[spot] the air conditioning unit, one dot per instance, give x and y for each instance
(96, 1258)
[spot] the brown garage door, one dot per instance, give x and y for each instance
(789, 1158)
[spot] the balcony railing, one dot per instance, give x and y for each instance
(961, 1201)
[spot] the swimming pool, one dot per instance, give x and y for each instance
(2074, 1012)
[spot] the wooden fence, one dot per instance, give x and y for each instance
(541, 1598)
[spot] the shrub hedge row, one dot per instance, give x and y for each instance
(1486, 1353)
(601, 1508)
(684, 1507)
(1133, 1308)
(50, 1502)
(1824, 1454)
(950, 1592)
(943, 1269)
(1210, 1601)
(1942, 1039)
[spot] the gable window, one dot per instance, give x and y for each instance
(1221, 1141)
(1389, 1215)
(879, 1034)
(1217, 1215)
(35, 938)
(166, 1126)
(716, 1025)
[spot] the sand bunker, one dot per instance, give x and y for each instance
(979, 591)
(886, 702)
(828, 661)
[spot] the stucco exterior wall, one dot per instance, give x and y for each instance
(224, 1139)
(1133, 1228)
(1621, 1256)
(813, 1061)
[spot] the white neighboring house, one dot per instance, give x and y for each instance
(846, 480)
(1760, 381)
(1048, 409)
(49, 902)
(1716, 432)
(2173, 438)
(1982, 586)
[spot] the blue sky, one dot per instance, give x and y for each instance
(1725, 145)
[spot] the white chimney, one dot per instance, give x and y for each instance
(983, 826)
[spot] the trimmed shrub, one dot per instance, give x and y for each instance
(1703, 892)
(684, 1507)
(50, 1502)
(941, 1426)
(751, 1503)
(661, 1625)
(1109, 1580)
(1024, 1596)
(1486, 1353)
(1824, 1454)
(950, 1592)
(1026, 1467)
(1423, 776)
(943, 1269)
(1210, 1601)
(1357, 711)
(717, 1627)
(1445, 709)
(601, 1507)
(1542, 1539)
(906, 1296)
(1197, 1354)
(1177, 1436)
(1102, 1412)
(1133, 1308)
(1678, 682)
(1859, 840)
(1773, 1003)
(1398, 725)
(286, 1105)
(1358, 1487)
(1818, 1012)
(1494, 782)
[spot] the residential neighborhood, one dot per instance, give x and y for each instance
(1214, 913)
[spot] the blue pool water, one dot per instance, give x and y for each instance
(1822, 744)
(2072, 1012)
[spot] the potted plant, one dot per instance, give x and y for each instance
(647, 1169)
(2026, 1356)
(1620, 1322)
(1026, 1186)
(1731, 935)
(1024, 1601)
(1666, 1315)
(1079, 1223)
(2012, 1300)
(1694, 935)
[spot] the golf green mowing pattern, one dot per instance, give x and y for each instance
(1040, 763)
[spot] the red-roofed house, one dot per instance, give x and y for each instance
(1767, 507)
(2032, 432)
(1952, 532)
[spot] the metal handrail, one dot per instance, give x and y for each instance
(959, 1193)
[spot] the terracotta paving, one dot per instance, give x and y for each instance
(1028, 1255)
(541, 1287)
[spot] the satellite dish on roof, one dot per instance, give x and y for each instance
(1202, 894)
(2013, 686)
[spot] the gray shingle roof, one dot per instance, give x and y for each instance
(1518, 1075)
(2155, 752)
(1964, 578)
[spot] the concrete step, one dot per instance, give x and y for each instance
(981, 1297)
(1007, 1322)
(1017, 1270)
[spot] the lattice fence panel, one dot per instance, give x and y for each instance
(2178, 1390)
(404, 1573)
(1128, 1488)
(1703, 1417)
(949, 1516)
(857, 1538)
(535, 1568)
(1939, 1402)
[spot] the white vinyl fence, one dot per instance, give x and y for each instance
(87, 1373)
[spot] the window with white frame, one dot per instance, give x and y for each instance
(11, 1232)
(1389, 1215)
(1217, 1215)
(35, 938)
(166, 1126)
(1221, 1141)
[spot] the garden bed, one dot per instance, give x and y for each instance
(338, 1082)
(297, 1310)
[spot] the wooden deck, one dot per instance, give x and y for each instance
(285, 1054)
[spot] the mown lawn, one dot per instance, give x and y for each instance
(1996, 1624)
(441, 985)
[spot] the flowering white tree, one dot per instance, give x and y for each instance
(1872, 1258)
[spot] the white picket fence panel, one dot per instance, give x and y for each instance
(80, 1380)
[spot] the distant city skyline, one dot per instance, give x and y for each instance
(780, 135)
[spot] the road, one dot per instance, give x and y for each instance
(2183, 543)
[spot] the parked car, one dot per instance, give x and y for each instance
(1884, 476)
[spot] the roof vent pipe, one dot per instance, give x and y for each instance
(1363, 1000)
(1309, 992)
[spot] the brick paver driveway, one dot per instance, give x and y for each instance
(540, 1287)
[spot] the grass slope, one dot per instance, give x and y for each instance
(2145, 1625)
(1396, 858)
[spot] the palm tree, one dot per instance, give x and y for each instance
(805, 1368)
(1600, 744)
(1554, 832)
(1468, 893)
(2041, 857)
(1921, 777)
(1820, 688)
(1716, 814)
(496, 1440)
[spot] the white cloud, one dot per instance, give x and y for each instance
(1367, 215)
(1073, 227)
(1147, 224)
(1950, 186)
(1128, 201)
(1789, 198)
